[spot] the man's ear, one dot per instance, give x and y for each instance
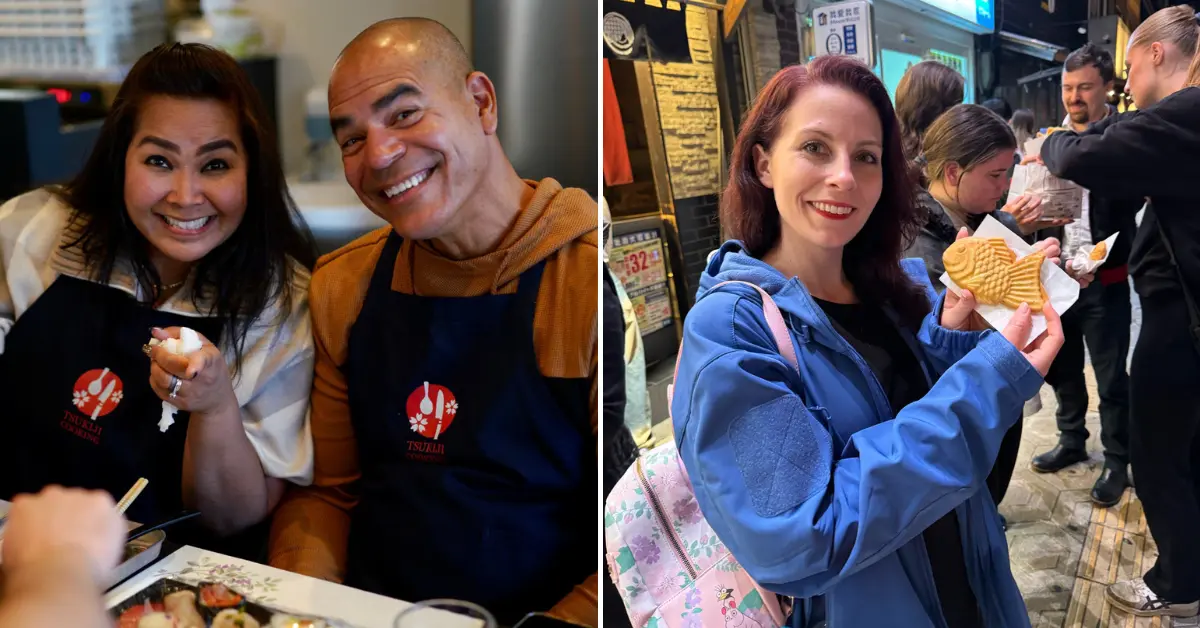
(483, 96)
(762, 166)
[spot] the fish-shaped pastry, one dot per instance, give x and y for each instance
(992, 272)
(1099, 252)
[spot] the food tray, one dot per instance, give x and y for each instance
(216, 606)
(139, 553)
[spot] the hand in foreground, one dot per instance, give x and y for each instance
(958, 311)
(1050, 223)
(1044, 348)
(205, 385)
(1084, 279)
(1032, 159)
(1051, 248)
(58, 519)
(1027, 210)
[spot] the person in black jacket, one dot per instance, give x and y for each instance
(1102, 315)
(618, 448)
(1155, 152)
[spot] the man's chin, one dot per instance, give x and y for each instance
(419, 225)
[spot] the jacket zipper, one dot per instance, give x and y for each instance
(664, 522)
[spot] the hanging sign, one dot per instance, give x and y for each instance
(845, 29)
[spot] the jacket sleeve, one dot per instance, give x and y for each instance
(1127, 155)
(944, 346)
(798, 514)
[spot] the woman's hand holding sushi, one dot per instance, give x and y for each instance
(205, 386)
(1044, 348)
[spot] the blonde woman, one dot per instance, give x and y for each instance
(1154, 153)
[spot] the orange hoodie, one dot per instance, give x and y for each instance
(558, 225)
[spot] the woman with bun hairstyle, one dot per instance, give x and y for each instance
(1154, 153)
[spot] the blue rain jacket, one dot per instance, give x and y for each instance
(812, 482)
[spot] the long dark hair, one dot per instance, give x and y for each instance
(925, 91)
(871, 260)
(248, 272)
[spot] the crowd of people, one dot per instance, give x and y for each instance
(307, 434)
(851, 479)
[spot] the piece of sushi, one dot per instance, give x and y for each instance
(281, 620)
(234, 618)
(157, 619)
(182, 605)
(134, 614)
(219, 596)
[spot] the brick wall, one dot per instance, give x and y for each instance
(699, 234)
(787, 32)
(689, 114)
(766, 61)
(738, 100)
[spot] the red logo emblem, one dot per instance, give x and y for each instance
(97, 392)
(430, 410)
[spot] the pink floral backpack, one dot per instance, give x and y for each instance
(664, 558)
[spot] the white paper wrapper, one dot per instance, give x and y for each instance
(1083, 259)
(1060, 287)
(1060, 198)
(187, 342)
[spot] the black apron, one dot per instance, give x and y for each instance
(478, 473)
(80, 410)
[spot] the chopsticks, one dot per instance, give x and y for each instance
(132, 494)
(147, 529)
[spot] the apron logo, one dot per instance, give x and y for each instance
(97, 393)
(430, 410)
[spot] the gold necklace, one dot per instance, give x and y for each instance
(170, 286)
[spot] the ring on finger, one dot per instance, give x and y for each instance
(175, 384)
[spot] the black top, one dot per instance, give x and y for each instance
(618, 446)
(875, 337)
(1108, 214)
(1148, 153)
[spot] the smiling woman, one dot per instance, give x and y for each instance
(179, 219)
(838, 418)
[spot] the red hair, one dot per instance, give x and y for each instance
(872, 259)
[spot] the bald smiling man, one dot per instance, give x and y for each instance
(454, 399)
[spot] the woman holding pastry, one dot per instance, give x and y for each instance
(848, 473)
(179, 219)
(968, 151)
(1153, 152)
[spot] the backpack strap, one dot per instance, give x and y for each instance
(775, 321)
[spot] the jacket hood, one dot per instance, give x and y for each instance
(732, 262)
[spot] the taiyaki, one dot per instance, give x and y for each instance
(1099, 252)
(992, 272)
